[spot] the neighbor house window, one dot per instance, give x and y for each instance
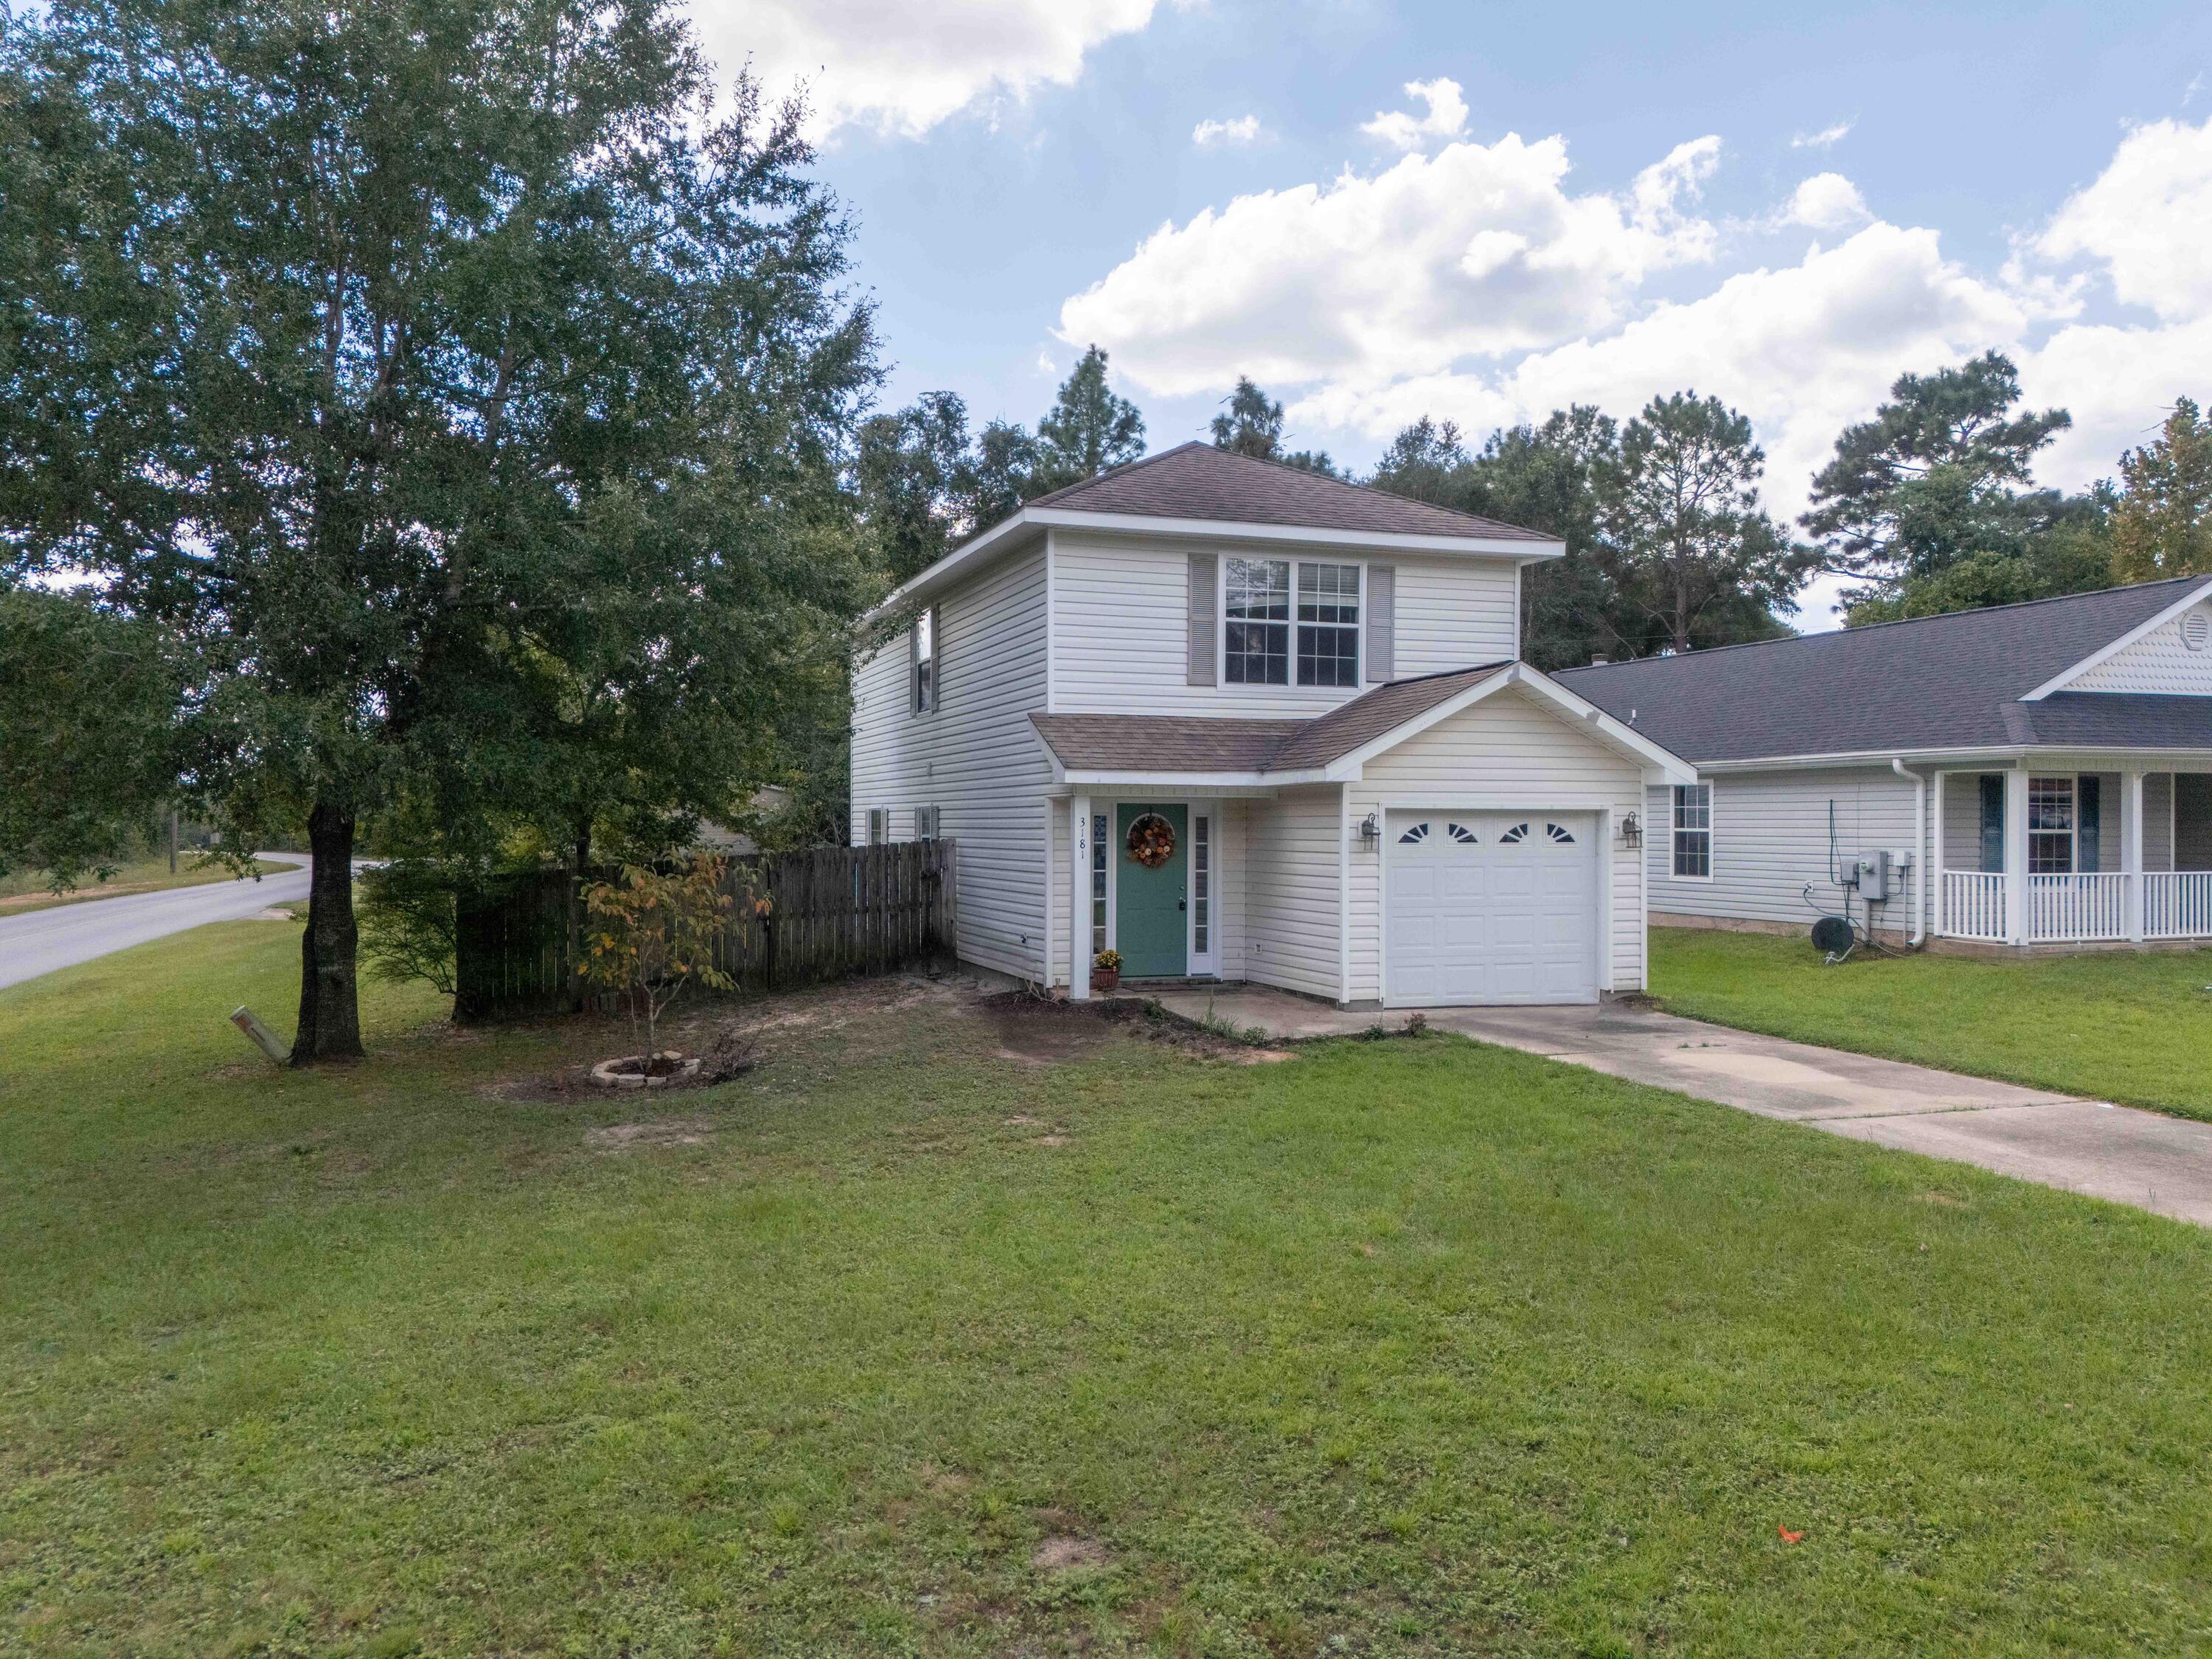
(2050, 826)
(1328, 624)
(1263, 644)
(1097, 883)
(925, 823)
(879, 825)
(924, 661)
(1257, 607)
(1693, 831)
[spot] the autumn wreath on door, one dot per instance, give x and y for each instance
(1151, 840)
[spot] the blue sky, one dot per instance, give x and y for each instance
(1595, 203)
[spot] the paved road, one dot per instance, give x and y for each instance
(2145, 1159)
(44, 940)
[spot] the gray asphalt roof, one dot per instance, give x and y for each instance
(1180, 742)
(1198, 481)
(1950, 682)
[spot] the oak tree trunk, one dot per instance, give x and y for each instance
(329, 1003)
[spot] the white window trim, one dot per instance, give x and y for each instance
(1221, 624)
(916, 706)
(2073, 832)
(1675, 832)
(879, 826)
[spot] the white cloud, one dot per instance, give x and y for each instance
(1826, 201)
(1478, 250)
(1446, 116)
(1824, 137)
(2146, 219)
(1474, 284)
(1803, 348)
(903, 68)
(1242, 130)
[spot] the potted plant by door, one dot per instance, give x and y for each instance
(1106, 970)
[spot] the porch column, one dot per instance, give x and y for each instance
(2131, 856)
(1078, 909)
(1936, 853)
(2016, 840)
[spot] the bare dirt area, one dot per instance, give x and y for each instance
(1041, 1031)
(872, 1019)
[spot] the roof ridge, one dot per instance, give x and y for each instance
(1353, 483)
(1110, 473)
(1877, 627)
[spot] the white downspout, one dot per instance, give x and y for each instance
(1919, 849)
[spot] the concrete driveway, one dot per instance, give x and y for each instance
(2144, 1158)
(41, 941)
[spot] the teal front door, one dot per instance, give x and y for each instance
(1151, 907)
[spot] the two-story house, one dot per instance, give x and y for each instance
(1237, 721)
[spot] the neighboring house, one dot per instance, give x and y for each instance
(2041, 773)
(1238, 721)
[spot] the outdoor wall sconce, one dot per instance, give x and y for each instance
(1371, 830)
(1632, 832)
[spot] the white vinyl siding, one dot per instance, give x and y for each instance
(1122, 615)
(1455, 613)
(1509, 750)
(1291, 908)
(2161, 662)
(1771, 840)
(2158, 821)
(976, 758)
(1961, 847)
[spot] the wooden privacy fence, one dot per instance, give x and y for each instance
(831, 911)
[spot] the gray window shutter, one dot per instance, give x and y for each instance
(1381, 622)
(1203, 588)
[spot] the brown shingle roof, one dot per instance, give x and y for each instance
(1162, 743)
(1178, 743)
(1198, 481)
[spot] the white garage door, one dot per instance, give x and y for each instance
(1489, 906)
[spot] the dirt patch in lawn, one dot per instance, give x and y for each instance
(1041, 1031)
(1063, 1551)
(667, 1132)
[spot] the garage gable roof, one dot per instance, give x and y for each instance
(1280, 752)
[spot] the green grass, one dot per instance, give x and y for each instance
(2111, 1025)
(1396, 1347)
(31, 890)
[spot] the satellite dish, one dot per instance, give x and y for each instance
(1832, 934)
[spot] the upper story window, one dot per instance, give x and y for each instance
(1257, 605)
(1328, 624)
(1259, 630)
(924, 661)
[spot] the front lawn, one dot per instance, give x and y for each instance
(2111, 1025)
(950, 1333)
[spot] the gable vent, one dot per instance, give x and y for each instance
(2196, 630)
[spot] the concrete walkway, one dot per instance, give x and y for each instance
(2144, 1158)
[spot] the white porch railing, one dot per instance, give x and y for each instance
(1974, 904)
(2078, 909)
(2177, 904)
(2068, 909)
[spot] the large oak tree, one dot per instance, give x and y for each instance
(458, 386)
